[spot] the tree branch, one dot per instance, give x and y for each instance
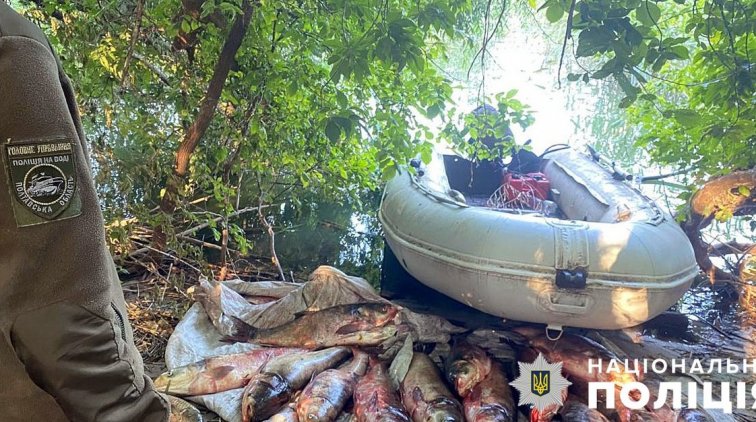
(718, 195)
(487, 38)
(206, 224)
(210, 102)
(728, 248)
(185, 235)
(204, 117)
(134, 37)
(156, 70)
(747, 267)
(567, 35)
(269, 228)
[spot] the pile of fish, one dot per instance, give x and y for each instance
(356, 362)
(294, 384)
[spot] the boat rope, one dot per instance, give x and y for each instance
(550, 328)
(554, 148)
(434, 195)
(664, 176)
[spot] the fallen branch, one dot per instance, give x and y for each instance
(721, 195)
(185, 235)
(272, 237)
(146, 249)
(725, 334)
(269, 228)
(202, 243)
(218, 219)
(193, 202)
(728, 248)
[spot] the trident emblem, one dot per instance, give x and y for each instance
(539, 384)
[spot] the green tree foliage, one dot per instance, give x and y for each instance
(509, 112)
(322, 95)
(685, 67)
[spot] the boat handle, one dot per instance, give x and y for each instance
(569, 309)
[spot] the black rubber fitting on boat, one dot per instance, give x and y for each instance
(571, 279)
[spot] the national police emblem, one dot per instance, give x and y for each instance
(42, 178)
(540, 383)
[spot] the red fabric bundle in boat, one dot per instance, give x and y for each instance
(530, 185)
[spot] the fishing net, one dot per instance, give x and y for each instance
(508, 198)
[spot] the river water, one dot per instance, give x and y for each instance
(328, 233)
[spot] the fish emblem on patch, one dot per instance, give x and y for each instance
(42, 176)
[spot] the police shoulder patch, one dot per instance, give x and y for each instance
(42, 177)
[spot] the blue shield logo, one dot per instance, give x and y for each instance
(540, 384)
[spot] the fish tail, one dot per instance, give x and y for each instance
(243, 328)
(235, 339)
(243, 332)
